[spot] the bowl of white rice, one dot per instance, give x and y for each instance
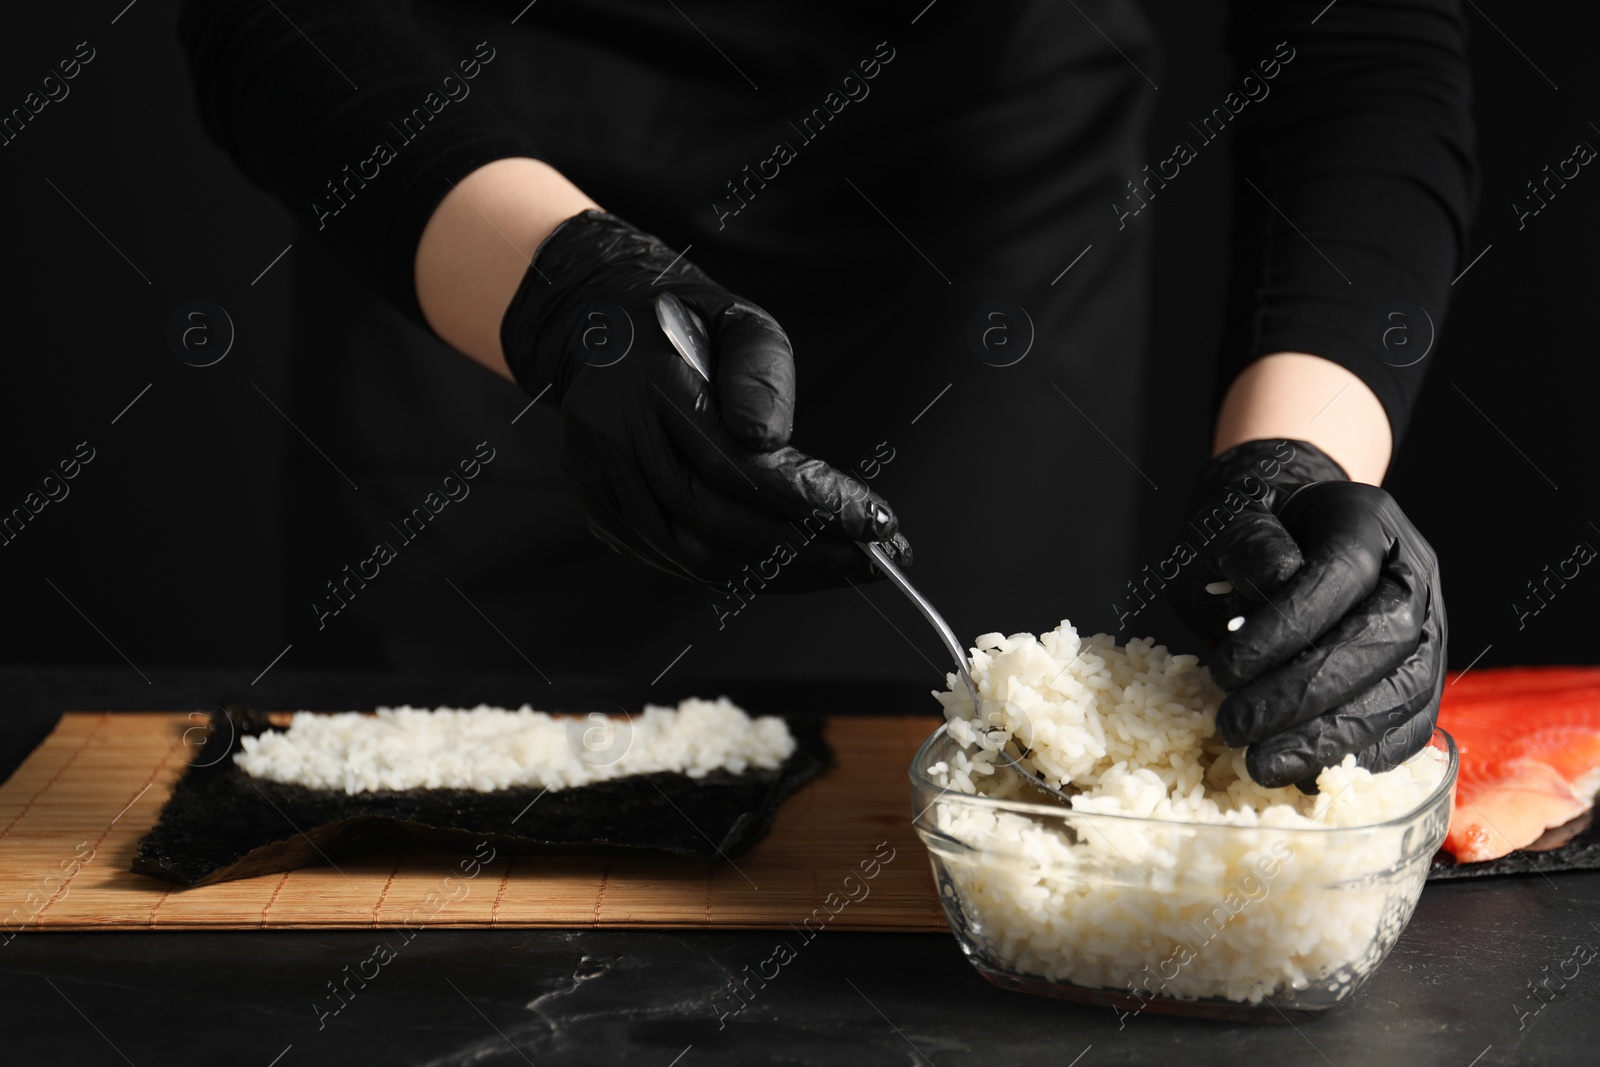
(1173, 883)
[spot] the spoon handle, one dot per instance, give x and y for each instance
(902, 583)
(957, 653)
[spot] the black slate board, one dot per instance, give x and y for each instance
(221, 824)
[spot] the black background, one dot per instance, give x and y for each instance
(169, 539)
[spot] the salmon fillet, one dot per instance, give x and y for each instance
(1529, 740)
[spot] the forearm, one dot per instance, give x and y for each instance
(479, 244)
(1307, 398)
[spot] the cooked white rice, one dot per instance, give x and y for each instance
(485, 748)
(1156, 908)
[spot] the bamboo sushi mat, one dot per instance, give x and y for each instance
(98, 782)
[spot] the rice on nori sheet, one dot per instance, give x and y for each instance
(452, 778)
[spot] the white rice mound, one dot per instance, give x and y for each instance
(1163, 909)
(486, 748)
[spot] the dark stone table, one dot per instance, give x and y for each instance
(1455, 991)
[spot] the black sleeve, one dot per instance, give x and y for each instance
(1360, 154)
(344, 114)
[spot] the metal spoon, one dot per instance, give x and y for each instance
(688, 335)
(898, 578)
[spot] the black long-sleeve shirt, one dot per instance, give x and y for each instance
(1354, 180)
(1353, 196)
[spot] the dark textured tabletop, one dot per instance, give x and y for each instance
(1490, 971)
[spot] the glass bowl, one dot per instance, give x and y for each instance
(1253, 923)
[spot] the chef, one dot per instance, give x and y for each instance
(918, 236)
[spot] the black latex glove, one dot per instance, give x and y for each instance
(694, 479)
(1343, 643)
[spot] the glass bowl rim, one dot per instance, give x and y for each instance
(919, 779)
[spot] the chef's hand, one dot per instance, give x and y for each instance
(1342, 648)
(694, 479)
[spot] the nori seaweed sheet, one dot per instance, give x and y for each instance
(221, 824)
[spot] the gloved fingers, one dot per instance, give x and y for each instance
(1367, 644)
(810, 491)
(1397, 744)
(718, 536)
(785, 482)
(680, 550)
(1344, 550)
(810, 575)
(694, 532)
(626, 541)
(1253, 552)
(900, 553)
(636, 491)
(1377, 725)
(790, 565)
(1400, 742)
(754, 367)
(636, 538)
(1248, 555)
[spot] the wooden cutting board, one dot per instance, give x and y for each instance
(72, 814)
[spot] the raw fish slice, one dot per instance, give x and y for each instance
(1500, 681)
(1501, 816)
(1529, 741)
(1562, 835)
